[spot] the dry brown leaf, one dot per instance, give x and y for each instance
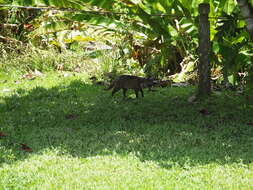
(32, 75)
(2, 134)
(29, 76)
(204, 111)
(250, 123)
(70, 116)
(25, 148)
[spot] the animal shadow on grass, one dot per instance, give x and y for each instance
(86, 121)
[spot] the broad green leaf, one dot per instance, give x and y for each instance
(251, 2)
(229, 6)
(212, 9)
(145, 8)
(163, 59)
(241, 24)
(159, 7)
(53, 42)
(77, 4)
(79, 38)
(191, 29)
(166, 4)
(50, 27)
(97, 20)
(186, 25)
(23, 2)
(4, 2)
(106, 4)
(194, 6)
(195, 3)
(213, 32)
(173, 31)
(40, 3)
(243, 36)
(186, 3)
(238, 39)
(181, 8)
(216, 47)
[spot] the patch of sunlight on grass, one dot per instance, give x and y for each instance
(51, 170)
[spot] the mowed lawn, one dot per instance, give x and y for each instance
(59, 131)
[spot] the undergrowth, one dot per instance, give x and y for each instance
(29, 59)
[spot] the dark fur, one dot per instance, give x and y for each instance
(126, 82)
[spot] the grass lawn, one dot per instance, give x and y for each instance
(76, 136)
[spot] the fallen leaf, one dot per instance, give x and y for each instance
(28, 27)
(211, 126)
(32, 75)
(60, 67)
(70, 116)
(29, 76)
(204, 111)
(250, 123)
(25, 148)
(2, 134)
(77, 69)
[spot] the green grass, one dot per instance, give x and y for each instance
(82, 138)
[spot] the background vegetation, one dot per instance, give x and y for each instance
(159, 36)
(60, 130)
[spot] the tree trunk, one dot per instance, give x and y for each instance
(204, 69)
(247, 13)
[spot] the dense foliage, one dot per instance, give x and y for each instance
(162, 36)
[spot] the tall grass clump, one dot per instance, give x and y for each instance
(96, 63)
(30, 58)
